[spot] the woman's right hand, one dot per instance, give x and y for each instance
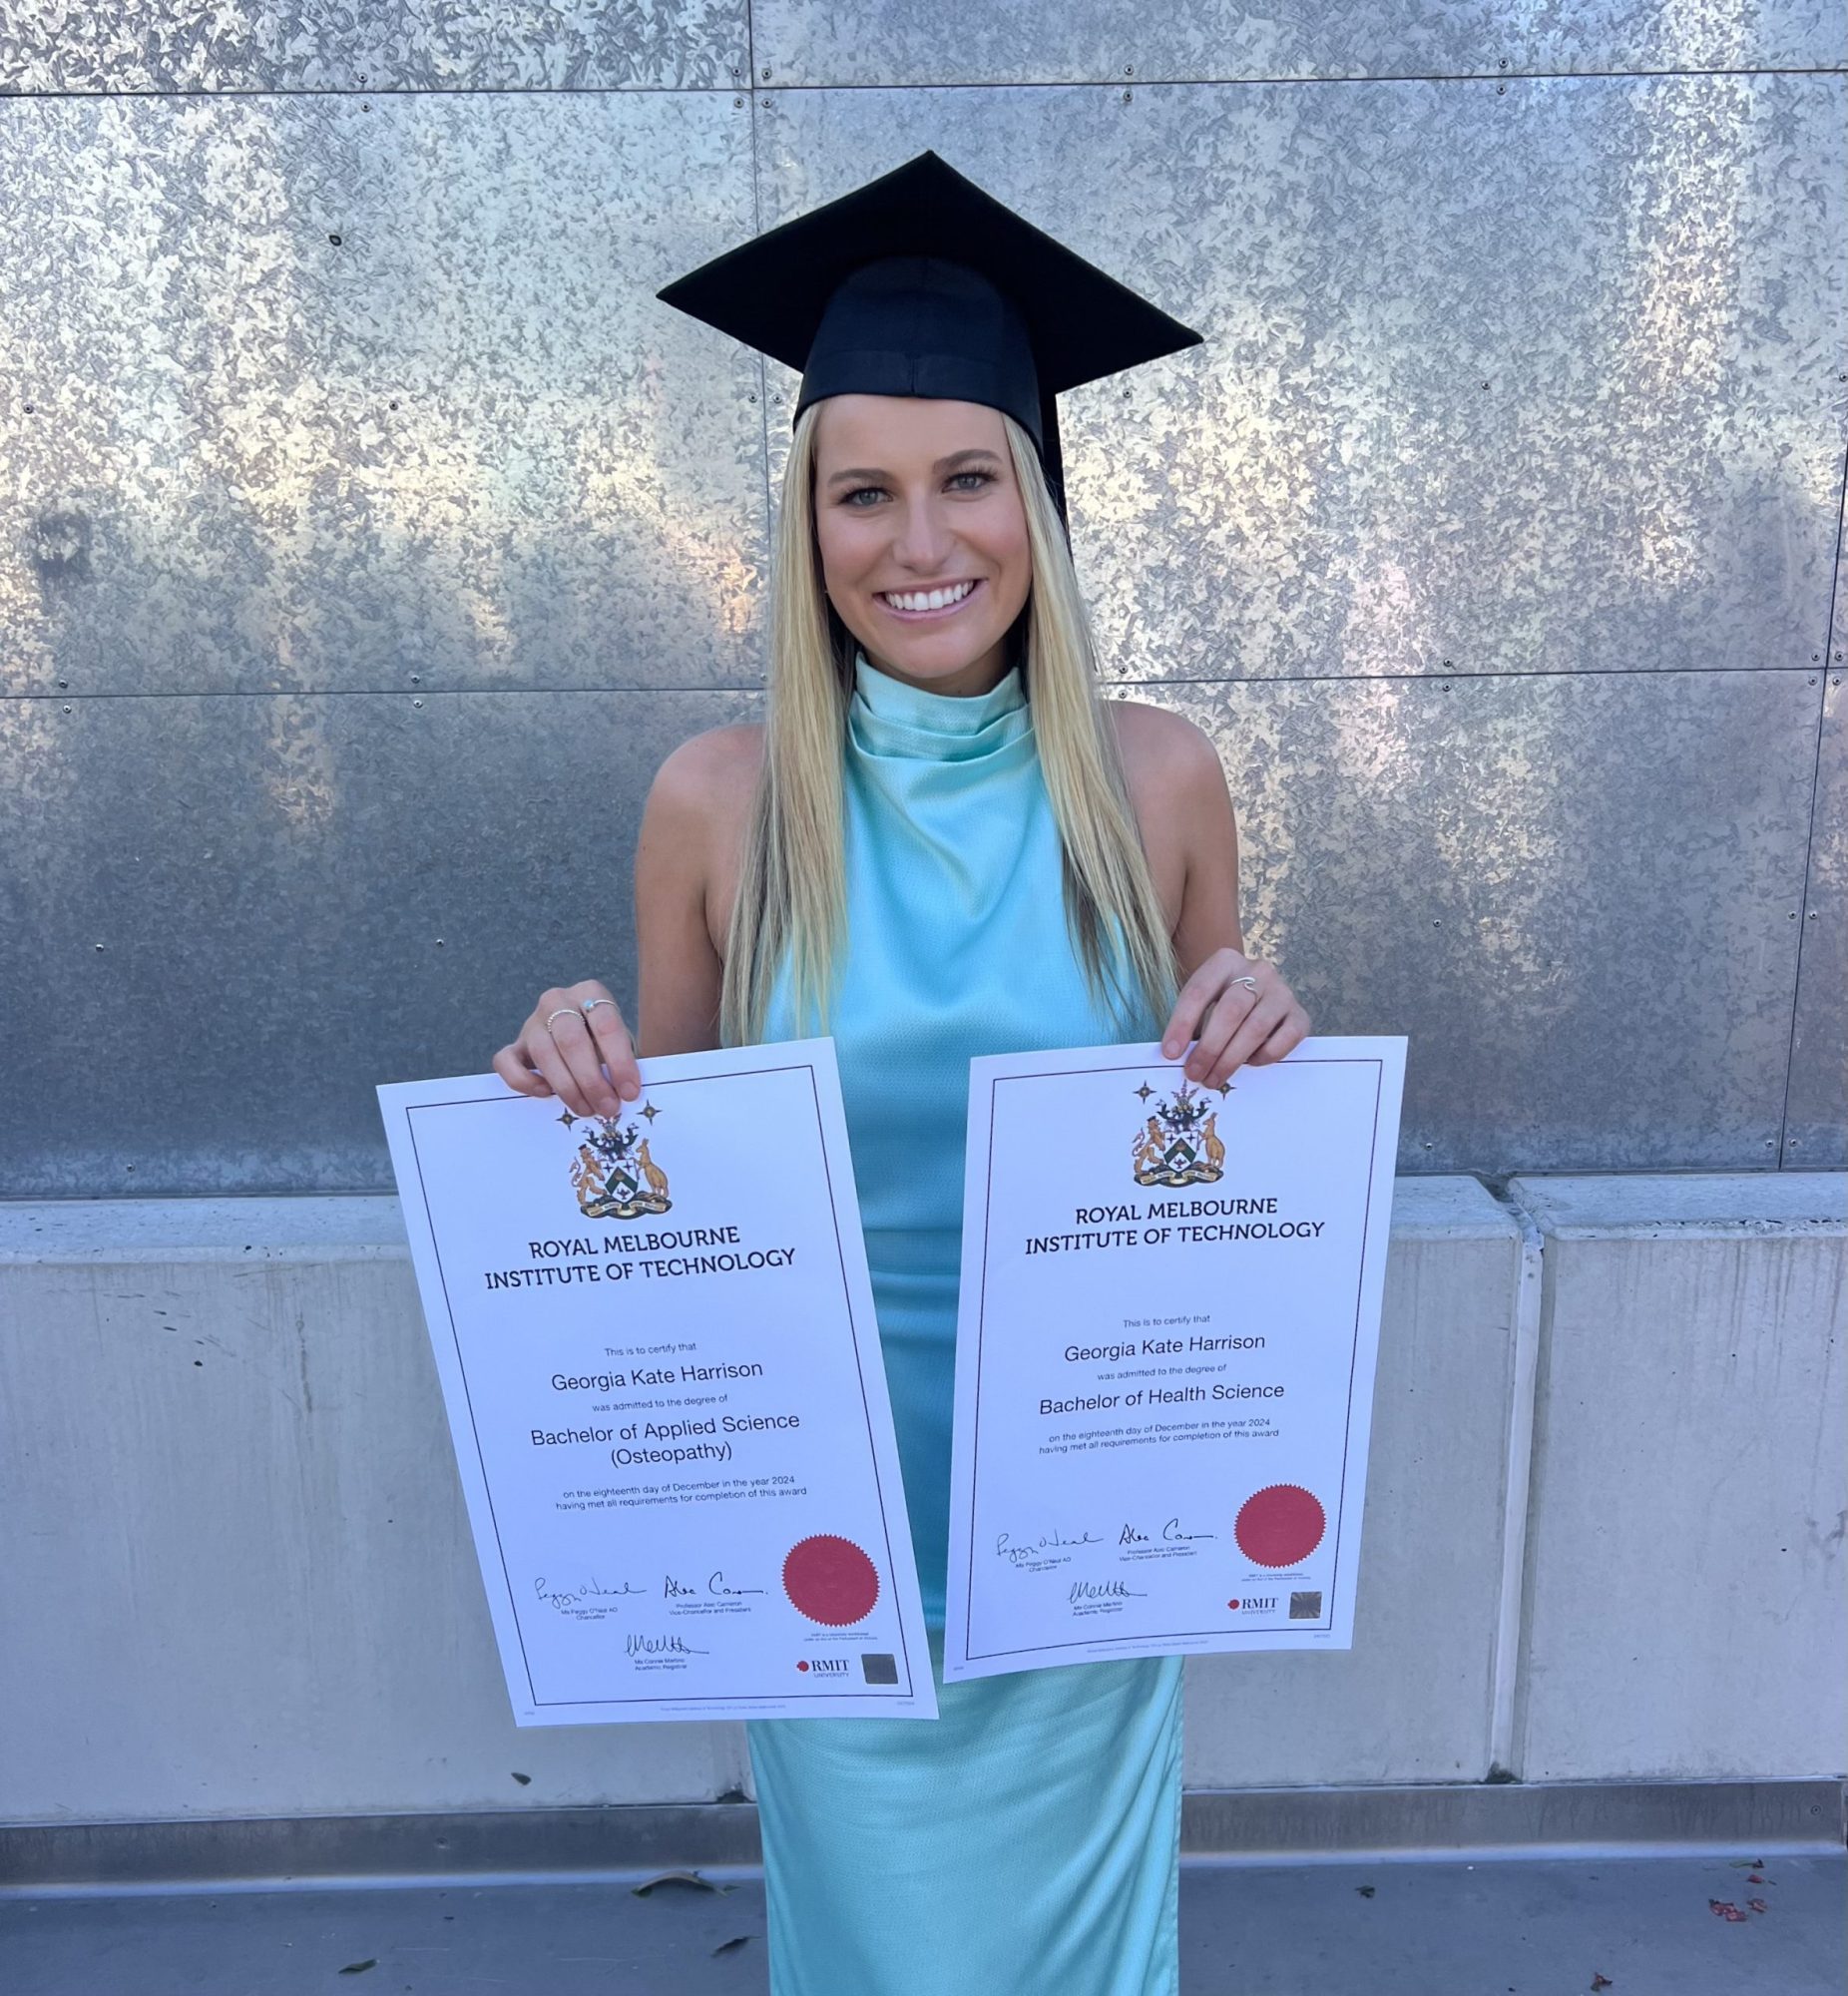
(571, 1048)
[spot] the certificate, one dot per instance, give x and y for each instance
(656, 1339)
(1165, 1353)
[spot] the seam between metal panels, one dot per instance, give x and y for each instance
(1518, 1476)
(1118, 82)
(1104, 686)
(1815, 801)
(1112, 83)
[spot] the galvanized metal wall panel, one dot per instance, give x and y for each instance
(1530, 383)
(1816, 1120)
(241, 914)
(234, 45)
(1492, 533)
(352, 392)
(1578, 896)
(1091, 41)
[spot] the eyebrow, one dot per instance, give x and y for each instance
(942, 464)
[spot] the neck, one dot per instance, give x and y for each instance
(980, 675)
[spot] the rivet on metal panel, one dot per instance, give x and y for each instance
(737, 104)
(1501, 90)
(98, 945)
(765, 76)
(439, 942)
(30, 410)
(1503, 64)
(1127, 94)
(1793, 914)
(416, 702)
(61, 684)
(1811, 916)
(391, 405)
(416, 679)
(1812, 678)
(67, 707)
(1770, 1143)
(1128, 68)
(334, 239)
(1815, 658)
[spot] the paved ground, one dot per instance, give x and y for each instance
(1502, 1928)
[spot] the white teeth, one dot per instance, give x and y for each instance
(934, 599)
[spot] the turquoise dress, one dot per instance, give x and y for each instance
(1027, 1842)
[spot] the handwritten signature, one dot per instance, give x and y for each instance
(1021, 1555)
(1104, 1589)
(661, 1646)
(1171, 1534)
(715, 1584)
(592, 1590)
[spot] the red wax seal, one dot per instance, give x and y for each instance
(830, 1580)
(1280, 1525)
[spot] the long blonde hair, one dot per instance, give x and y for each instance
(792, 889)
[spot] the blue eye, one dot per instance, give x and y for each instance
(861, 492)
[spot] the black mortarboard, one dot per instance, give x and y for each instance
(921, 284)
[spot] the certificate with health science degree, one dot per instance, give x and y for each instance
(1164, 1355)
(655, 1340)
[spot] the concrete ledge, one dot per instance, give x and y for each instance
(234, 1512)
(1684, 1615)
(1259, 1826)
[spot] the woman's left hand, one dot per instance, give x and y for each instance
(1233, 1021)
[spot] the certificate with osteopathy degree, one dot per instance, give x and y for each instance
(1165, 1353)
(656, 1339)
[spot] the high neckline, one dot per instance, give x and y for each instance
(890, 717)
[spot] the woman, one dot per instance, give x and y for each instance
(940, 842)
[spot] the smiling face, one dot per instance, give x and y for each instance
(922, 535)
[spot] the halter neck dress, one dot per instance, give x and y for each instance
(1025, 1842)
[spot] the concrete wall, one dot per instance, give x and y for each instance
(1603, 1532)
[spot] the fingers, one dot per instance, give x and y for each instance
(517, 1075)
(611, 1037)
(569, 1052)
(1230, 1022)
(1239, 1024)
(1197, 994)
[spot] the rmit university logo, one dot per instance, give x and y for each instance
(613, 1173)
(824, 1666)
(1179, 1143)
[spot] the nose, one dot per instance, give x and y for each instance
(924, 538)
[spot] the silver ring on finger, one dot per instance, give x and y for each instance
(591, 1004)
(563, 1012)
(1250, 983)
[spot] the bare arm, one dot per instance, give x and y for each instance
(685, 877)
(1191, 836)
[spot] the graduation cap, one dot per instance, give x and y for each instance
(922, 283)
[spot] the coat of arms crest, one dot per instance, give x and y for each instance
(613, 1175)
(1178, 1144)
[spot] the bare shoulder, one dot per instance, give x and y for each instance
(709, 775)
(1162, 750)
